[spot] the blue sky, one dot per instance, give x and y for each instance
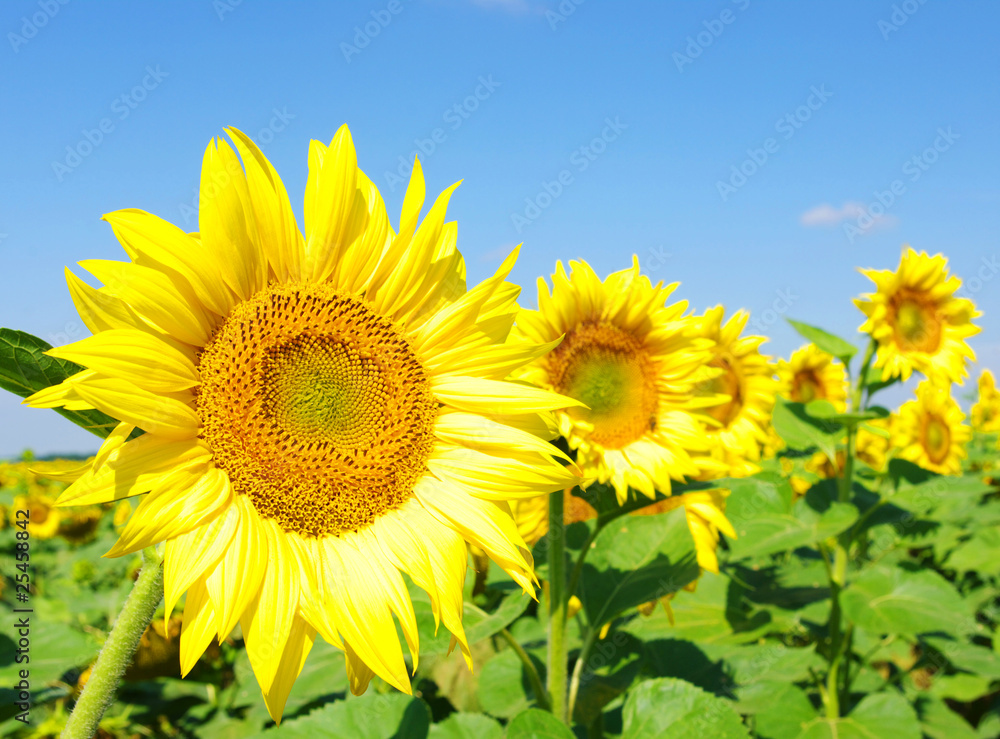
(737, 147)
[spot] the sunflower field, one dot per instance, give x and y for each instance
(343, 493)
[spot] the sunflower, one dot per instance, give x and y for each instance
(323, 412)
(985, 412)
(929, 430)
(812, 374)
(916, 319)
(631, 362)
(44, 518)
(738, 428)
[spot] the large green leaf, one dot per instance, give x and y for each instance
(878, 716)
(504, 689)
(940, 722)
(372, 716)
(780, 708)
(801, 431)
(55, 648)
(838, 347)
(537, 724)
(874, 381)
(25, 369)
(668, 708)
(811, 520)
(467, 726)
(893, 600)
(635, 560)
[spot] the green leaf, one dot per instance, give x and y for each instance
(537, 724)
(25, 369)
(804, 432)
(55, 648)
(504, 689)
(467, 726)
(809, 521)
(827, 342)
(879, 716)
(780, 708)
(668, 708)
(893, 600)
(635, 560)
(824, 410)
(372, 716)
(940, 722)
(874, 381)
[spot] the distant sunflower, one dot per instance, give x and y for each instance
(738, 428)
(812, 374)
(43, 517)
(322, 413)
(917, 321)
(632, 364)
(985, 412)
(929, 430)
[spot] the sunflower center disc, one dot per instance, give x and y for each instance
(918, 327)
(316, 408)
(807, 387)
(937, 439)
(607, 369)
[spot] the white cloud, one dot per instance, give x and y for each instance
(828, 215)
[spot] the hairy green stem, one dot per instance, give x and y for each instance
(557, 606)
(119, 648)
(839, 638)
(581, 662)
(541, 696)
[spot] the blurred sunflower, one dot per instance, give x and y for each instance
(929, 430)
(322, 413)
(737, 429)
(812, 374)
(916, 319)
(632, 364)
(985, 412)
(43, 517)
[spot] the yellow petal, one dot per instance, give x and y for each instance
(163, 416)
(136, 356)
(188, 556)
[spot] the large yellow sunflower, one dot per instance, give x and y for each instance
(929, 430)
(916, 319)
(812, 374)
(985, 412)
(323, 412)
(738, 428)
(631, 362)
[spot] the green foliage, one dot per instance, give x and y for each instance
(25, 369)
(838, 347)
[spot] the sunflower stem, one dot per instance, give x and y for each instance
(118, 650)
(541, 697)
(557, 606)
(840, 637)
(581, 662)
